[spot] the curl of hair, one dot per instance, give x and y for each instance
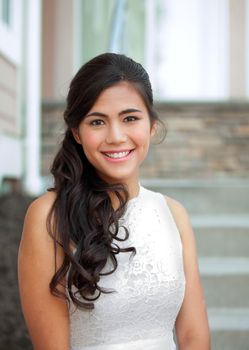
(82, 220)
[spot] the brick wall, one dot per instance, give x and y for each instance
(204, 140)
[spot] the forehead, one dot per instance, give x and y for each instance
(119, 96)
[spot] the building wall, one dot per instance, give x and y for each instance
(237, 48)
(11, 155)
(58, 48)
(9, 118)
(204, 140)
(76, 31)
(210, 63)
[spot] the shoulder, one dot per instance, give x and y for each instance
(37, 242)
(177, 209)
(42, 204)
(175, 205)
(180, 216)
(39, 260)
(35, 220)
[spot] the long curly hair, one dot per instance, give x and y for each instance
(82, 220)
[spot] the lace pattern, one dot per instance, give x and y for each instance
(149, 286)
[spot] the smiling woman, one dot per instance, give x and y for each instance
(78, 289)
(115, 134)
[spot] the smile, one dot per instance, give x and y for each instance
(123, 155)
(118, 154)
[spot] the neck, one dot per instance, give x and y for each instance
(133, 191)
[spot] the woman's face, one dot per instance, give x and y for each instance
(115, 134)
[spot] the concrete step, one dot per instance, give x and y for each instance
(225, 281)
(220, 220)
(223, 319)
(226, 240)
(219, 213)
(210, 266)
(226, 291)
(230, 340)
(219, 196)
(229, 328)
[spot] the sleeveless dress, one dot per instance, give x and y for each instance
(149, 286)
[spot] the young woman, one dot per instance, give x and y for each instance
(104, 263)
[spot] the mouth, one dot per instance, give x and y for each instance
(114, 155)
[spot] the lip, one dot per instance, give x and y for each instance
(118, 160)
(118, 150)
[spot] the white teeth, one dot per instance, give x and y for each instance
(117, 155)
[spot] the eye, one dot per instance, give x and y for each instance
(130, 118)
(96, 122)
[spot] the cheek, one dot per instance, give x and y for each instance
(90, 140)
(142, 137)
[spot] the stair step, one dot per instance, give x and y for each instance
(216, 196)
(195, 183)
(222, 241)
(229, 328)
(226, 291)
(223, 319)
(216, 266)
(221, 220)
(219, 213)
(230, 340)
(225, 281)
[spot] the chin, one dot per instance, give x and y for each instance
(122, 178)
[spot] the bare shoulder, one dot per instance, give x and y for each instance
(37, 243)
(175, 205)
(42, 204)
(36, 216)
(180, 216)
(177, 209)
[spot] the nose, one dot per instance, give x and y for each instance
(115, 134)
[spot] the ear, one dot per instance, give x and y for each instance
(153, 129)
(76, 136)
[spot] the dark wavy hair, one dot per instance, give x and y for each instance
(82, 220)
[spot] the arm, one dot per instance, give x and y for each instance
(192, 329)
(46, 315)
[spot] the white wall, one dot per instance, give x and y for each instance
(10, 35)
(21, 51)
(247, 48)
(10, 117)
(189, 49)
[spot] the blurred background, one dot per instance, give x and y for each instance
(197, 55)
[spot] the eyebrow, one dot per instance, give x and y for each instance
(125, 111)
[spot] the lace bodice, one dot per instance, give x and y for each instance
(149, 286)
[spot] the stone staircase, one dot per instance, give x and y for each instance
(219, 212)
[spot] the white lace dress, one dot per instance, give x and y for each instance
(150, 287)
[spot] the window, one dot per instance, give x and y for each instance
(5, 12)
(10, 29)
